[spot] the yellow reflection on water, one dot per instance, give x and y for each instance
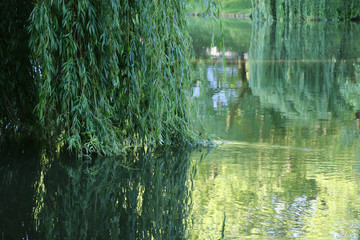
(276, 192)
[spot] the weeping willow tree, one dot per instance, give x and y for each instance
(114, 72)
(305, 9)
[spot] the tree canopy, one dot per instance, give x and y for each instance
(306, 10)
(103, 74)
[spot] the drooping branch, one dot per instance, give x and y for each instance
(113, 73)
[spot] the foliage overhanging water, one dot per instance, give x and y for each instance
(286, 104)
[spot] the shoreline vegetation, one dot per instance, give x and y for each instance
(282, 10)
(100, 78)
(305, 10)
(224, 15)
(231, 7)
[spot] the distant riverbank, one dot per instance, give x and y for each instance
(228, 8)
(224, 15)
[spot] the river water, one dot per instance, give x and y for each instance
(284, 109)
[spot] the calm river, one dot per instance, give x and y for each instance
(285, 110)
(287, 107)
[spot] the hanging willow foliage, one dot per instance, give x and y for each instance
(113, 72)
(305, 10)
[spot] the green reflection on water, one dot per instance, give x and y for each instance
(105, 200)
(288, 110)
(56, 198)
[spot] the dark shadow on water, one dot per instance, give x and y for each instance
(19, 170)
(141, 195)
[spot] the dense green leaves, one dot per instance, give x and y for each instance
(113, 73)
(305, 10)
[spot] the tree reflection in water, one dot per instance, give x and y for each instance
(140, 195)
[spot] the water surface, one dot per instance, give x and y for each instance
(286, 104)
(50, 195)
